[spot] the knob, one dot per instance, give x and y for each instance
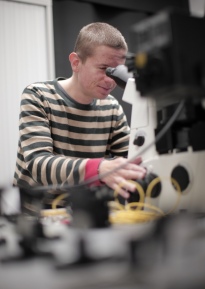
(139, 140)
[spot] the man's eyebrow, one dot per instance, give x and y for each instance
(103, 65)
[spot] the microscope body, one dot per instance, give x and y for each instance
(180, 172)
(168, 65)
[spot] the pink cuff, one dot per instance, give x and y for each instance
(91, 170)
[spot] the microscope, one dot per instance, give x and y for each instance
(167, 94)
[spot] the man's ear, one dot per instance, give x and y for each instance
(74, 61)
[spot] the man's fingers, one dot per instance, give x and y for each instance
(137, 161)
(124, 187)
(133, 172)
(120, 180)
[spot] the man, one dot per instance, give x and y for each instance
(72, 129)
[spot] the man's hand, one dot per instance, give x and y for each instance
(129, 171)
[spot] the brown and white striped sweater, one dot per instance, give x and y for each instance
(62, 141)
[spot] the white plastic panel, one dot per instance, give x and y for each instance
(26, 55)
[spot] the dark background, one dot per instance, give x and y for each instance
(70, 16)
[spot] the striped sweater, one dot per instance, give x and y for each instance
(62, 141)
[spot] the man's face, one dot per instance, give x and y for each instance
(92, 79)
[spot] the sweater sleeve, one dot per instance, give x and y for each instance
(37, 162)
(91, 170)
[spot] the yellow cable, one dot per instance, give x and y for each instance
(151, 207)
(58, 199)
(133, 212)
(157, 180)
(138, 187)
(54, 212)
(128, 214)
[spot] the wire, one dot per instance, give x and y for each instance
(130, 213)
(138, 187)
(58, 199)
(54, 212)
(157, 180)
